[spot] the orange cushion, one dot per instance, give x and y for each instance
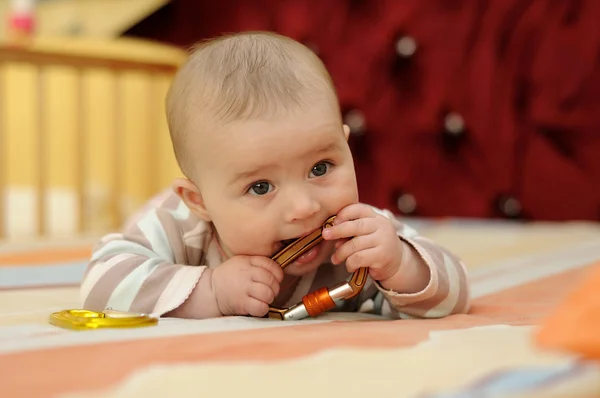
(574, 326)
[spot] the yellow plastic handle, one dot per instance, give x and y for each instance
(77, 319)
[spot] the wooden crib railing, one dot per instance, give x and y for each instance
(83, 135)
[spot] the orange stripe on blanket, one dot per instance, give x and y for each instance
(76, 368)
(45, 256)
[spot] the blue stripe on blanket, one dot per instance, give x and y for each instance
(519, 380)
(41, 275)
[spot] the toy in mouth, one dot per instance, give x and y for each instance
(295, 248)
(304, 250)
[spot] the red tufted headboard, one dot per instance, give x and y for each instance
(458, 107)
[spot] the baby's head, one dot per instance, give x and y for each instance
(256, 128)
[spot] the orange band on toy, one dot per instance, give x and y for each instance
(318, 302)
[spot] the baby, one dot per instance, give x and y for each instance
(257, 132)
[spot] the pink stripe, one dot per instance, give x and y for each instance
(97, 272)
(153, 286)
(464, 300)
(179, 288)
(102, 290)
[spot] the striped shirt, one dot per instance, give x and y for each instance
(156, 261)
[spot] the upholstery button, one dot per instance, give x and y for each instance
(454, 124)
(355, 120)
(406, 46)
(510, 206)
(406, 203)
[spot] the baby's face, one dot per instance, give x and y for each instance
(266, 182)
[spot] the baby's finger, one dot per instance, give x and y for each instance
(348, 229)
(266, 278)
(361, 259)
(354, 212)
(255, 307)
(261, 292)
(352, 246)
(269, 265)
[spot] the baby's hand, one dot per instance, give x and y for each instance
(246, 285)
(366, 239)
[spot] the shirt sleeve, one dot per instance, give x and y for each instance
(446, 293)
(152, 266)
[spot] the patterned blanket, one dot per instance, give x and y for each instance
(519, 274)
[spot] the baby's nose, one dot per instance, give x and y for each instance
(302, 206)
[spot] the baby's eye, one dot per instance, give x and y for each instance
(320, 169)
(260, 188)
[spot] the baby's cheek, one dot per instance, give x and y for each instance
(346, 196)
(250, 242)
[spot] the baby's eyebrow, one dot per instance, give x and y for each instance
(247, 174)
(327, 148)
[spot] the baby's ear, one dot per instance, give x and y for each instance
(346, 131)
(189, 193)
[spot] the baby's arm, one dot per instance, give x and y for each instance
(445, 292)
(144, 269)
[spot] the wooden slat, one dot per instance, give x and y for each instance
(41, 152)
(3, 162)
(153, 125)
(119, 131)
(81, 152)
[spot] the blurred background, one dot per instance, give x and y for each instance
(471, 109)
